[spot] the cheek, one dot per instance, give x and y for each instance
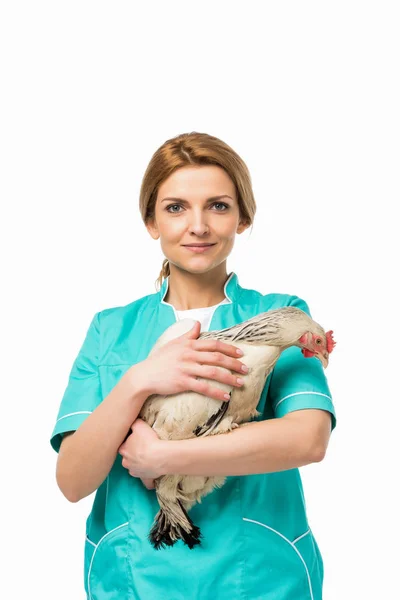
(226, 228)
(171, 231)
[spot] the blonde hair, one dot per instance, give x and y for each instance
(194, 149)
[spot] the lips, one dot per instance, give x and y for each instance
(199, 249)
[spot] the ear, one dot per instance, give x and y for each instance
(243, 225)
(151, 227)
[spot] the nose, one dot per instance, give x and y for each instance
(198, 224)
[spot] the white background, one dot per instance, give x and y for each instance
(308, 94)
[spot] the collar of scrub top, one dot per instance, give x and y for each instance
(232, 289)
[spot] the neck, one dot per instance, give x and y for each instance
(196, 290)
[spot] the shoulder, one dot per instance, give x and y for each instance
(272, 301)
(116, 316)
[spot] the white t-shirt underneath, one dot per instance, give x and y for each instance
(204, 315)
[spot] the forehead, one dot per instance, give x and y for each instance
(197, 182)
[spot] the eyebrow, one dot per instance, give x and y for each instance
(213, 198)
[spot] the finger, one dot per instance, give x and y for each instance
(220, 359)
(140, 424)
(193, 330)
(205, 388)
(148, 483)
(217, 346)
(217, 373)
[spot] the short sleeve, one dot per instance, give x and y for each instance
(298, 382)
(83, 392)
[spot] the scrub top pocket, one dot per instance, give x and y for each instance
(290, 569)
(106, 570)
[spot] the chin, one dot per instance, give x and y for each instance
(195, 267)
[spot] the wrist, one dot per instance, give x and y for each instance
(161, 457)
(139, 384)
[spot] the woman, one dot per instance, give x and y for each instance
(257, 542)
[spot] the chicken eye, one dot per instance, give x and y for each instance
(318, 341)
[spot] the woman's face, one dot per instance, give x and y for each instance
(191, 216)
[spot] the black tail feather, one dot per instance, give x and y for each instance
(164, 533)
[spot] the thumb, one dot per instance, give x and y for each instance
(194, 331)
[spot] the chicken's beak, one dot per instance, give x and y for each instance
(323, 357)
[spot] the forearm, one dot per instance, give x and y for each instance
(88, 455)
(259, 447)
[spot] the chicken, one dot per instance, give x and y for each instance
(188, 414)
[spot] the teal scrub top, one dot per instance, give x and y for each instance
(257, 542)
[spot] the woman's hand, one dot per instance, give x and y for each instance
(175, 366)
(142, 452)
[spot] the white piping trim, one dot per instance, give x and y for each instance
(90, 541)
(301, 536)
(226, 300)
(173, 308)
(298, 394)
(292, 545)
(80, 412)
(226, 285)
(225, 292)
(96, 547)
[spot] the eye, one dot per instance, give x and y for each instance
(221, 204)
(171, 206)
(318, 341)
(226, 207)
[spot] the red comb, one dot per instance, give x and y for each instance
(330, 342)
